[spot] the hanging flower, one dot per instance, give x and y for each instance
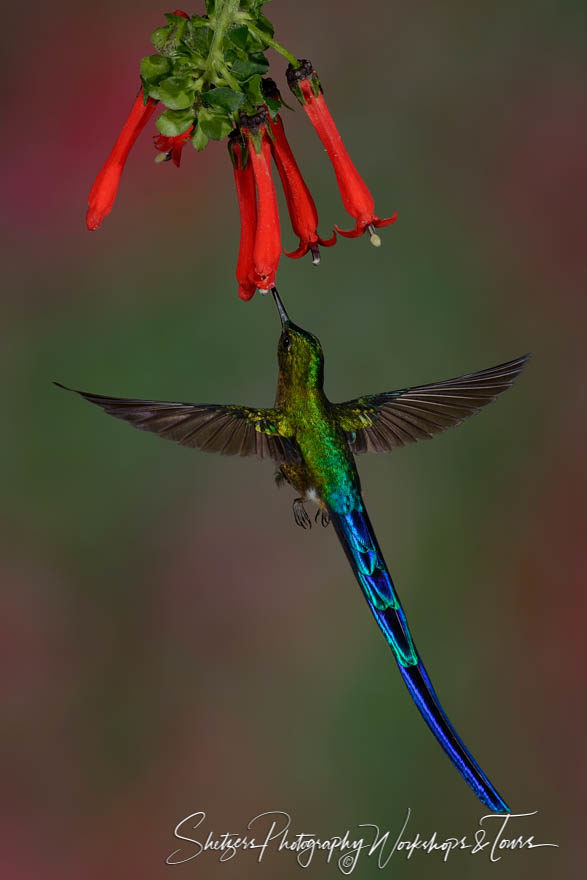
(357, 199)
(247, 203)
(267, 245)
(171, 146)
(300, 204)
(103, 192)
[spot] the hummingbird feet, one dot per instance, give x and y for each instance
(324, 518)
(301, 517)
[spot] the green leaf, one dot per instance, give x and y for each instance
(254, 91)
(244, 70)
(210, 6)
(202, 40)
(174, 122)
(199, 140)
(154, 68)
(225, 98)
(176, 92)
(239, 36)
(253, 6)
(160, 36)
(264, 24)
(176, 20)
(214, 124)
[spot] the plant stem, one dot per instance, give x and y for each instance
(274, 44)
(226, 11)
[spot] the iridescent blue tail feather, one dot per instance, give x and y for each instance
(357, 537)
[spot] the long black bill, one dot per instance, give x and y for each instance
(280, 307)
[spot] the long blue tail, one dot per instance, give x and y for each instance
(356, 535)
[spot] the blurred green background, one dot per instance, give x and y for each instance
(172, 642)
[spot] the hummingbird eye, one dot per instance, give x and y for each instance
(286, 343)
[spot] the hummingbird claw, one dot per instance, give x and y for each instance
(300, 515)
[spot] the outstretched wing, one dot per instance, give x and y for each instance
(380, 422)
(230, 430)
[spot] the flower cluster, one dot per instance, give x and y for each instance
(209, 74)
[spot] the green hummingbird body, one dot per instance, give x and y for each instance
(314, 442)
(327, 473)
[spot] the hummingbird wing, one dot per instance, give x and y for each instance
(228, 429)
(380, 422)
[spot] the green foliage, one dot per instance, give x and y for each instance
(199, 139)
(209, 67)
(154, 68)
(215, 125)
(225, 98)
(174, 122)
(244, 70)
(176, 92)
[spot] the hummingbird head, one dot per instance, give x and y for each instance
(301, 362)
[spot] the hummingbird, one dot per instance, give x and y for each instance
(313, 442)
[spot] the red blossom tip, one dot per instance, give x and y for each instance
(368, 224)
(172, 145)
(105, 188)
(180, 12)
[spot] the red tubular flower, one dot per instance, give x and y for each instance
(105, 186)
(300, 204)
(355, 194)
(172, 146)
(247, 203)
(267, 247)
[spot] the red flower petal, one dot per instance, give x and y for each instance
(300, 204)
(247, 202)
(103, 192)
(267, 248)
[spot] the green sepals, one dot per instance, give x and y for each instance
(256, 138)
(199, 139)
(146, 94)
(225, 98)
(315, 83)
(154, 68)
(297, 91)
(176, 92)
(244, 70)
(239, 36)
(215, 124)
(274, 106)
(174, 122)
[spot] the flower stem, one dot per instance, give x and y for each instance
(226, 11)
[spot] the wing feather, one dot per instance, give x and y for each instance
(229, 430)
(380, 422)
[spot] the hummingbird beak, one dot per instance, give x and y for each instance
(280, 308)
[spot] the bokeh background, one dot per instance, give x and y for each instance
(172, 642)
